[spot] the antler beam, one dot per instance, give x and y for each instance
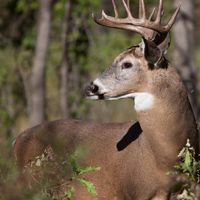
(142, 25)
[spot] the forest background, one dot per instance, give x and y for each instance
(51, 49)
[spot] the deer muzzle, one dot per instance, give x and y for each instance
(92, 92)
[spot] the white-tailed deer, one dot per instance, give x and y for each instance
(134, 156)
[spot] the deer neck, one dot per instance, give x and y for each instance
(168, 120)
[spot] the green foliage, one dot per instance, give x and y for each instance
(16, 49)
(17, 18)
(47, 175)
(24, 5)
(189, 168)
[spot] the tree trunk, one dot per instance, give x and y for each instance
(39, 67)
(184, 51)
(65, 62)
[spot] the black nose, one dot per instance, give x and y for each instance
(91, 89)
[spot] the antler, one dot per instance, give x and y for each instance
(142, 25)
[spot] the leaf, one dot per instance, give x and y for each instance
(69, 194)
(172, 172)
(72, 189)
(178, 167)
(196, 167)
(181, 152)
(54, 197)
(88, 185)
(88, 169)
(187, 158)
(168, 173)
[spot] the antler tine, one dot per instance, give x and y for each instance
(173, 18)
(142, 11)
(128, 4)
(159, 14)
(115, 9)
(127, 7)
(152, 13)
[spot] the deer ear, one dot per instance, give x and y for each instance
(163, 43)
(151, 52)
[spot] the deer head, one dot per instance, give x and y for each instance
(130, 72)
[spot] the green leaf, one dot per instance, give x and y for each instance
(88, 185)
(187, 158)
(178, 167)
(54, 197)
(171, 172)
(88, 169)
(69, 194)
(168, 173)
(72, 189)
(181, 152)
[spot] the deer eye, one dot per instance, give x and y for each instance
(127, 65)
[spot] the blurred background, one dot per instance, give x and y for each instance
(51, 49)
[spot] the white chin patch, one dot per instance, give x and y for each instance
(143, 101)
(95, 97)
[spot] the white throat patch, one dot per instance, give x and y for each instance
(143, 101)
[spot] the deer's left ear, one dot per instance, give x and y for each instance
(151, 52)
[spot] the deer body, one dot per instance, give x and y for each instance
(134, 156)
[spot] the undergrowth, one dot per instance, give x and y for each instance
(187, 174)
(48, 177)
(51, 175)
